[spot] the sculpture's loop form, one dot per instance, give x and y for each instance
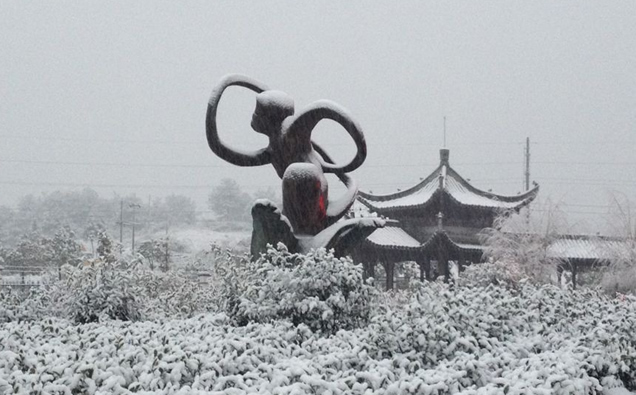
(308, 218)
(234, 156)
(305, 122)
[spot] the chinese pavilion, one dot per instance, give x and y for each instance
(437, 220)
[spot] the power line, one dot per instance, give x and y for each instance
(431, 164)
(77, 163)
(383, 143)
(98, 140)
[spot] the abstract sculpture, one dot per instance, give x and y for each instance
(308, 218)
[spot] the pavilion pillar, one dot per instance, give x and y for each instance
(559, 274)
(369, 269)
(446, 266)
(425, 269)
(389, 269)
(461, 262)
(574, 273)
(442, 261)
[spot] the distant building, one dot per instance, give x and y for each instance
(438, 220)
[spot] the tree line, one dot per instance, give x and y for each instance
(84, 212)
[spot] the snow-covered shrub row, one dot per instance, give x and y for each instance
(532, 340)
(317, 289)
(110, 289)
(16, 305)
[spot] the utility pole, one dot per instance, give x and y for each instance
(167, 254)
(133, 206)
(527, 172)
(121, 225)
(527, 178)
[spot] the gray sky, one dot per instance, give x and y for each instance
(114, 94)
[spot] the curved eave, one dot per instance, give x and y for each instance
(521, 199)
(395, 238)
(494, 206)
(392, 209)
(482, 199)
(441, 236)
(384, 198)
(391, 247)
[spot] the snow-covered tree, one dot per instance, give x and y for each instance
(229, 202)
(65, 248)
(156, 253)
(521, 242)
(105, 247)
(620, 274)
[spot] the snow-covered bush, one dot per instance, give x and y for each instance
(28, 305)
(498, 273)
(318, 290)
(100, 290)
(173, 294)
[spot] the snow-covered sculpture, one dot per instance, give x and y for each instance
(307, 211)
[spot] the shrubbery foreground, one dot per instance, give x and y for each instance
(309, 324)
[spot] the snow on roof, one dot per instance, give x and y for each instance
(417, 198)
(391, 236)
(591, 248)
(465, 246)
(447, 180)
(463, 195)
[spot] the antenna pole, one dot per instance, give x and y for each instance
(527, 164)
(444, 131)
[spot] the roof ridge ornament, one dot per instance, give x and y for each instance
(444, 155)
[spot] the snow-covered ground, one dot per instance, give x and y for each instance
(201, 239)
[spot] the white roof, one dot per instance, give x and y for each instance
(391, 236)
(417, 198)
(444, 178)
(460, 193)
(587, 248)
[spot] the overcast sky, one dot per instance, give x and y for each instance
(113, 95)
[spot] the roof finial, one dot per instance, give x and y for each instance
(444, 131)
(443, 156)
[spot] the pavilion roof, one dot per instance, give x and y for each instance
(590, 248)
(447, 181)
(393, 237)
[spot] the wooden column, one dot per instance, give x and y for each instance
(425, 269)
(369, 269)
(559, 274)
(389, 269)
(574, 272)
(443, 261)
(446, 270)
